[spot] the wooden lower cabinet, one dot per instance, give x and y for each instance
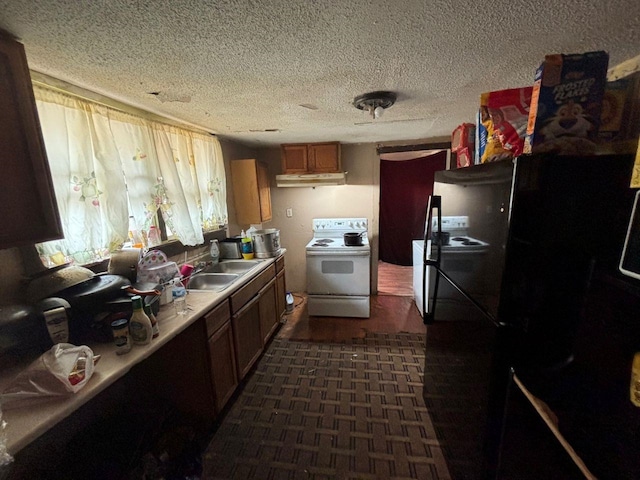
(246, 335)
(281, 294)
(268, 315)
(222, 356)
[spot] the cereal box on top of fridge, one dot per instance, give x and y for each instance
(565, 106)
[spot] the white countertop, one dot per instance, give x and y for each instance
(27, 422)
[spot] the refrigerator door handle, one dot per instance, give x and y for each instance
(435, 203)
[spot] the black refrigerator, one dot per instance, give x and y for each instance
(547, 304)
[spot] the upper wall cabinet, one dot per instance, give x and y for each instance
(28, 210)
(251, 191)
(311, 158)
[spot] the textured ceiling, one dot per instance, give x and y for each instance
(240, 68)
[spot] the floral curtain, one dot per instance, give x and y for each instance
(108, 165)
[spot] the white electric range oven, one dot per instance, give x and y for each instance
(338, 275)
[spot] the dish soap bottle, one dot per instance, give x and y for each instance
(215, 251)
(139, 326)
(247, 246)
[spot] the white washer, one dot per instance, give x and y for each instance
(338, 275)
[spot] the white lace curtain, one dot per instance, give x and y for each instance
(108, 165)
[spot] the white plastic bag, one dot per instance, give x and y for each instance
(62, 370)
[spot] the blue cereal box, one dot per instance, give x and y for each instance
(566, 103)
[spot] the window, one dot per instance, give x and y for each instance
(108, 165)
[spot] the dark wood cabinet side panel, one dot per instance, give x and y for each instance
(28, 209)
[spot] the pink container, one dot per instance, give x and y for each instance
(185, 272)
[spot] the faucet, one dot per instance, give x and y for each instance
(200, 266)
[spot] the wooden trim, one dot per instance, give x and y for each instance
(548, 416)
(413, 148)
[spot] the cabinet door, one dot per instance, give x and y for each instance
(268, 314)
(324, 157)
(247, 337)
(251, 191)
(281, 292)
(264, 191)
(295, 159)
(28, 210)
(224, 375)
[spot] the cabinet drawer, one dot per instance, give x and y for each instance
(279, 263)
(242, 296)
(216, 318)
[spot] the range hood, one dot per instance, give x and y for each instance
(311, 179)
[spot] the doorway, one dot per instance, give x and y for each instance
(406, 181)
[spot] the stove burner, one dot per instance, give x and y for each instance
(319, 245)
(459, 239)
(324, 240)
(470, 242)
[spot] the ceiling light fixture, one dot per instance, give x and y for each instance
(375, 102)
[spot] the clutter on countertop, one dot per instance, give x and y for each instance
(155, 267)
(215, 251)
(139, 324)
(247, 246)
(63, 369)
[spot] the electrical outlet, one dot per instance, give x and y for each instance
(289, 212)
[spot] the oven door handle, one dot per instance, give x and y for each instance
(359, 253)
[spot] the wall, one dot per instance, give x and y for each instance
(358, 198)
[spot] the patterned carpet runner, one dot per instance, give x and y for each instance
(331, 411)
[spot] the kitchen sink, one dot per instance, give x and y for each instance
(232, 266)
(220, 275)
(212, 281)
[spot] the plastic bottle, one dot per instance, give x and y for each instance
(180, 297)
(215, 251)
(247, 246)
(153, 237)
(154, 321)
(140, 325)
(289, 302)
(134, 234)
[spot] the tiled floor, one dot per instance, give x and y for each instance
(334, 398)
(331, 411)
